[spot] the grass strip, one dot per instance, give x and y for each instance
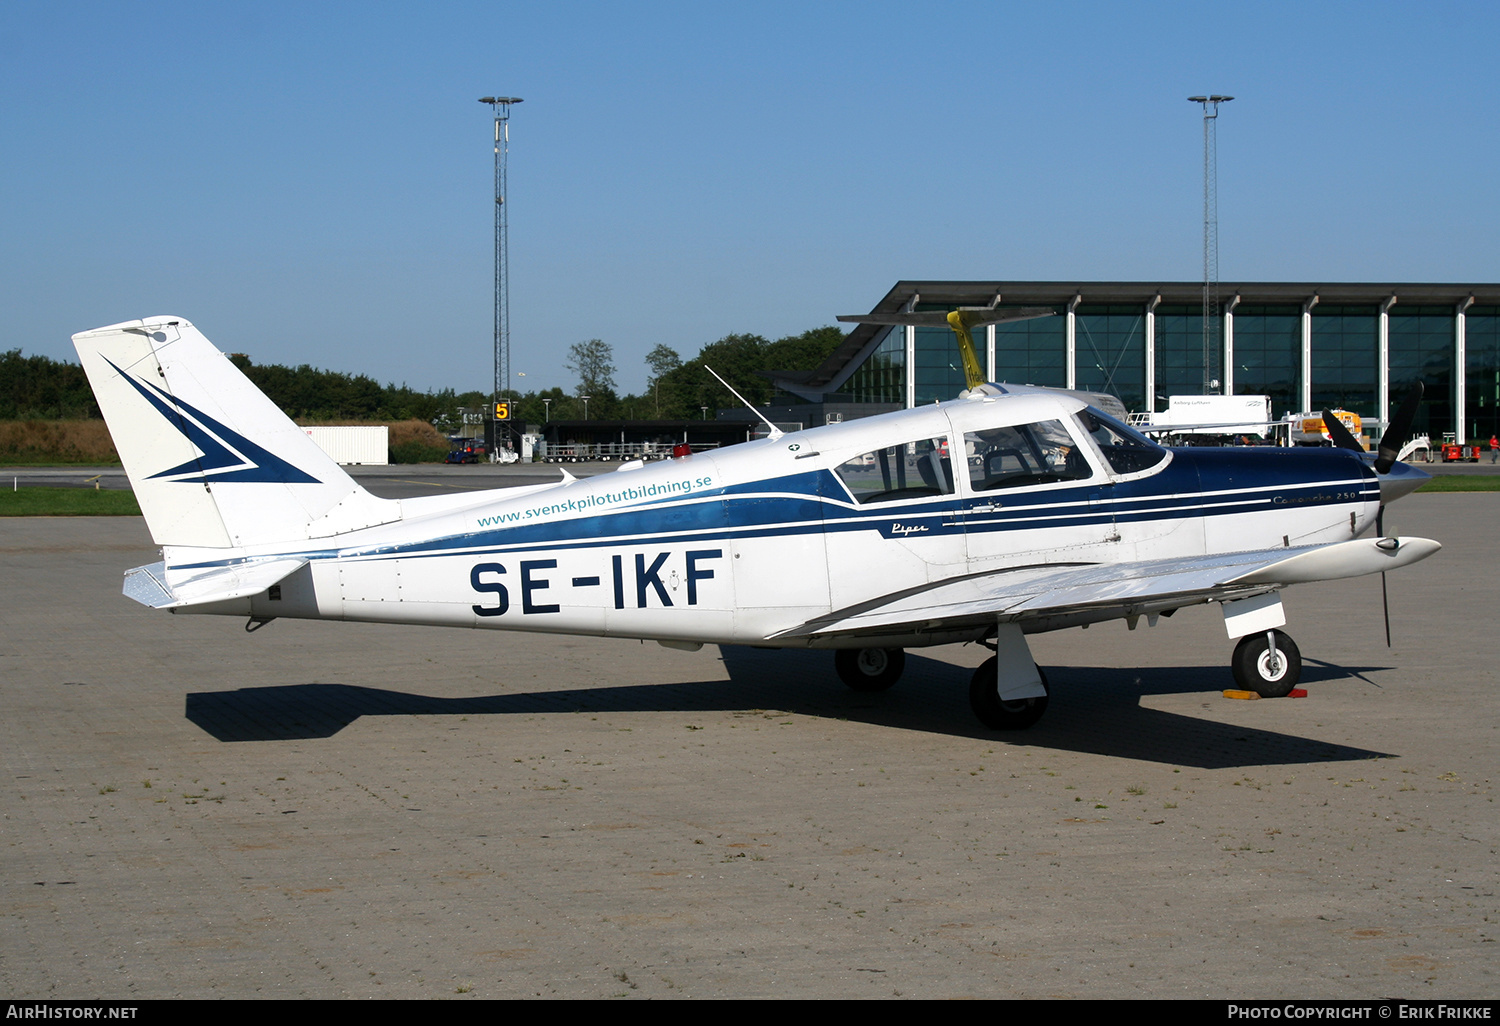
(1462, 483)
(68, 502)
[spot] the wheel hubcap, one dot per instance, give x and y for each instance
(872, 662)
(1271, 669)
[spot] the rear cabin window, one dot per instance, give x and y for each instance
(1025, 454)
(911, 470)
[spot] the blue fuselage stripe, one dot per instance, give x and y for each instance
(1197, 483)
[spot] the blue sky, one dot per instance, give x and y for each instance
(310, 182)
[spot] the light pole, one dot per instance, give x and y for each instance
(501, 105)
(585, 399)
(1210, 235)
(547, 408)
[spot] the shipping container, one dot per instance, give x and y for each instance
(354, 446)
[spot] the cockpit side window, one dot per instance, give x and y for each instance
(911, 470)
(1025, 454)
(1126, 450)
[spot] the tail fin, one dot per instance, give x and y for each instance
(213, 462)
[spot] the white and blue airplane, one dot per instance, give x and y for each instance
(1007, 512)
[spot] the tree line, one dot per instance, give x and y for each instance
(682, 390)
(41, 388)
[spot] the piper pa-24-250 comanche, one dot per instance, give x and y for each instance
(1009, 511)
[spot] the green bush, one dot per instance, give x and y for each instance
(418, 452)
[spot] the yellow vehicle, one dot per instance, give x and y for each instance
(1308, 428)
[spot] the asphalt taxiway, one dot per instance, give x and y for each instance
(343, 810)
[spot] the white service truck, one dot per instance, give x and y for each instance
(1218, 417)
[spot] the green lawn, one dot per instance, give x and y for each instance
(68, 502)
(1462, 483)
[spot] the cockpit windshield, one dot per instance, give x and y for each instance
(1125, 449)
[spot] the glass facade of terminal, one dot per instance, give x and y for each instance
(1305, 355)
(1345, 358)
(1033, 352)
(1179, 351)
(1110, 350)
(1482, 372)
(881, 378)
(939, 371)
(1268, 354)
(1421, 346)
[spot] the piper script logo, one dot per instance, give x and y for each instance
(226, 455)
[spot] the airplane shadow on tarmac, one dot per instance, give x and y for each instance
(1092, 709)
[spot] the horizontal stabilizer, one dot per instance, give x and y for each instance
(148, 584)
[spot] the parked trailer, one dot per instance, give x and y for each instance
(359, 445)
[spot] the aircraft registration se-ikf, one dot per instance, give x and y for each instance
(1007, 512)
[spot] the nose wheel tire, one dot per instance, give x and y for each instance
(1257, 669)
(869, 669)
(984, 699)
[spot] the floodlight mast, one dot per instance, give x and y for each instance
(501, 105)
(1210, 235)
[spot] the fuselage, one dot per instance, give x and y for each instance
(739, 544)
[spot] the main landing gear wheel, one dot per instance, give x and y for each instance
(984, 699)
(1255, 669)
(869, 669)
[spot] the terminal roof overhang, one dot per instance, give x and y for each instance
(1052, 293)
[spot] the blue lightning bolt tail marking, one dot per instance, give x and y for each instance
(221, 446)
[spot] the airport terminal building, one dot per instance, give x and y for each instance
(1309, 346)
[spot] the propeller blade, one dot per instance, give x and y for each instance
(1340, 434)
(1385, 605)
(1399, 431)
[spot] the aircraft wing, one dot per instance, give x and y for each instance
(1081, 593)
